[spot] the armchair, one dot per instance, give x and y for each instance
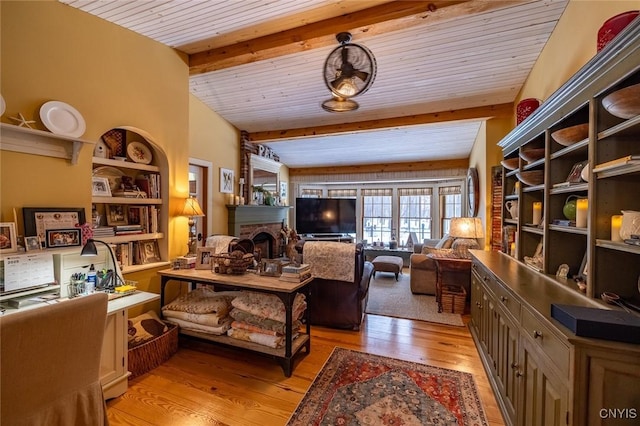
(423, 272)
(50, 363)
(334, 302)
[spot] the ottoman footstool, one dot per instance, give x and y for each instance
(391, 264)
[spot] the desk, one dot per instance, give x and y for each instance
(371, 253)
(114, 373)
(451, 271)
(285, 290)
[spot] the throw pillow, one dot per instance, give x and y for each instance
(445, 242)
(145, 327)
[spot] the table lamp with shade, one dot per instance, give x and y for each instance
(466, 231)
(192, 210)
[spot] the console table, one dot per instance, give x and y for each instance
(285, 290)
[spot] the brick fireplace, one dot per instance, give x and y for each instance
(262, 225)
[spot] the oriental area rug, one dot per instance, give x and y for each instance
(355, 388)
(394, 299)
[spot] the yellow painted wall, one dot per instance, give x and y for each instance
(572, 44)
(484, 155)
(213, 139)
(114, 77)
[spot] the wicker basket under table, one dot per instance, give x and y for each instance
(151, 354)
(453, 299)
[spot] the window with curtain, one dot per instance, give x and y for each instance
(311, 193)
(377, 215)
(414, 212)
(451, 202)
(342, 193)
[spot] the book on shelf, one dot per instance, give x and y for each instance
(618, 162)
(129, 194)
(103, 231)
(295, 278)
(563, 222)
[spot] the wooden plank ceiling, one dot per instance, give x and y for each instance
(443, 68)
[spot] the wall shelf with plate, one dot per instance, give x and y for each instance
(40, 142)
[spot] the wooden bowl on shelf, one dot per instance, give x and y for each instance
(623, 103)
(532, 154)
(510, 163)
(531, 177)
(570, 135)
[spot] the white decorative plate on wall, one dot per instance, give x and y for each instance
(139, 153)
(62, 119)
(2, 105)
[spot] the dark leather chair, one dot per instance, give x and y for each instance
(340, 304)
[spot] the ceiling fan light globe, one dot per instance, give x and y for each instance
(337, 104)
(346, 88)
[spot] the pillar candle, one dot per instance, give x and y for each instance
(582, 207)
(537, 212)
(237, 200)
(230, 199)
(616, 223)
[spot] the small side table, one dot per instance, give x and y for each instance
(451, 270)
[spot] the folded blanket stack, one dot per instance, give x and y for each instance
(202, 310)
(260, 318)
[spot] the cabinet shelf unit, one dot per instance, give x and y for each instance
(131, 224)
(610, 186)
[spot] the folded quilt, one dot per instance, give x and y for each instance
(269, 305)
(202, 301)
(262, 322)
(262, 339)
(217, 330)
(252, 328)
(331, 260)
(204, 319)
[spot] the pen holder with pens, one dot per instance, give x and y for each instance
(76, 287)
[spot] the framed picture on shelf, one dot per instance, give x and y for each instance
(148, 251)
(270, 268)
(100, 187)
(116, 215)
(115, 139)
(63, 237)
(226, 181)
(136, 215)
(576, 171)
(37, 220)
(8, 238)
(32, 244)
(205, 257)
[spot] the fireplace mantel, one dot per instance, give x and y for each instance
(255, 215)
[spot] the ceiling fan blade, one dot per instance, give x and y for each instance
(361, 75)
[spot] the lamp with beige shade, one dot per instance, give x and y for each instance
(192, 210)
(466, 231)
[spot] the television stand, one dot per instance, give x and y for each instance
(342, 238)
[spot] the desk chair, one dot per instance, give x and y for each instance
(50, 364)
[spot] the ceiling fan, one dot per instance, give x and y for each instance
(348, 71)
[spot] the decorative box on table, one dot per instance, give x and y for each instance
(453, 299)
(605, 324)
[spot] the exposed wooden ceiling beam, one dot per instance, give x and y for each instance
(376, 20)
(483, 112)
(462, 163)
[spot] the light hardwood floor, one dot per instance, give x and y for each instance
(207, 384)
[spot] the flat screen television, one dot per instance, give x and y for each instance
(325, 215)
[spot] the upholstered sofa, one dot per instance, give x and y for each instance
(339, 303)
(423, 269)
